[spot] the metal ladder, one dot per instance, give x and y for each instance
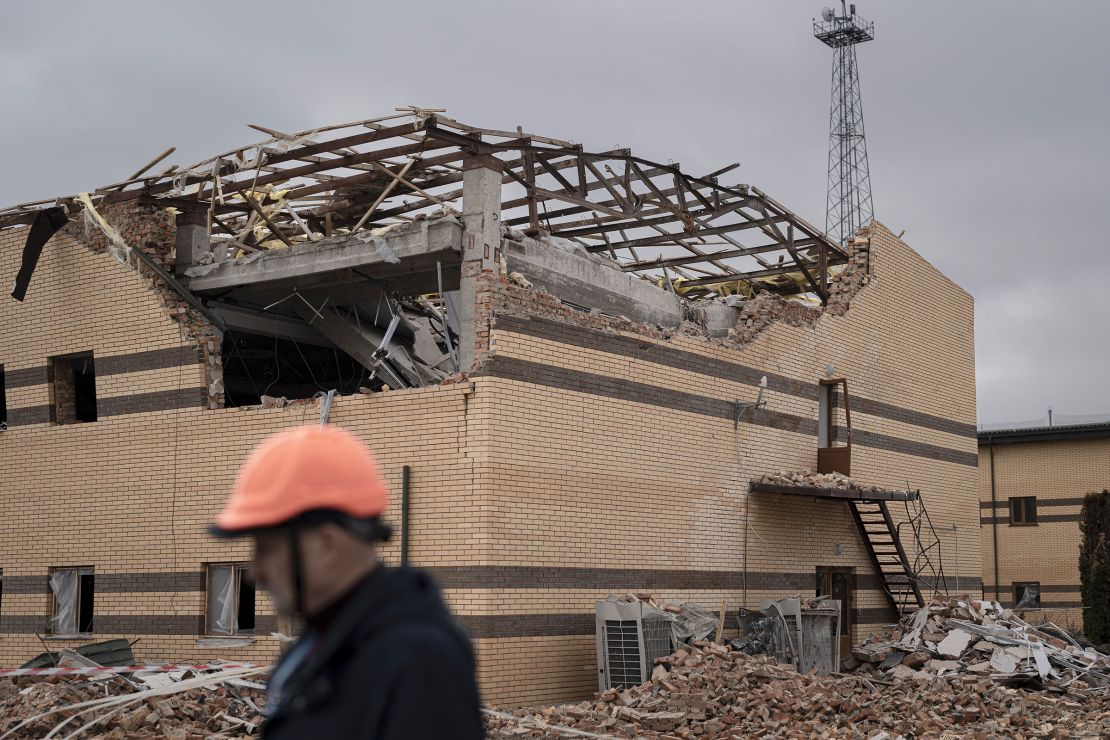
(888, 558)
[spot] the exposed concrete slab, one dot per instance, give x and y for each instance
(592, 282)
(268, 324)
(717, 318)
(414, 247)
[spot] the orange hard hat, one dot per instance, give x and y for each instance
(305, 473)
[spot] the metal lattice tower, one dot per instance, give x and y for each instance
(849, 194)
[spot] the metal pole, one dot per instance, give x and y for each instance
(994, 521)
(956, 530)
(406, 475)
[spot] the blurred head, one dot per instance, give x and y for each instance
(312, 498)
(332, 561)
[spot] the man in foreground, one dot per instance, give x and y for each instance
(381, 656)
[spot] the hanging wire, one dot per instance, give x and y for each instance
(277, 364)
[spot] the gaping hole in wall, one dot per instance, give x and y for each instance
(73, 383)
(393, 341)
(256, 365)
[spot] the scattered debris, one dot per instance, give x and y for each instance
(805, 633)
(185, 704)
(960, 635)
(818, 480)
(712, 691)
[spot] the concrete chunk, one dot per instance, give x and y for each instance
(954, 644)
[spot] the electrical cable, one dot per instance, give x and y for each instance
(277, 364)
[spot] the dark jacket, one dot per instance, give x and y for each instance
(393, 664)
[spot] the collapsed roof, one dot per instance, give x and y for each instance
(694, 234)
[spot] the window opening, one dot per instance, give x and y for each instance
(1023, 510)
(73, 590)
(1027, 595)
(73, 380)
(231, 599)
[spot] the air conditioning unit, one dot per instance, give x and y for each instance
(630, 636)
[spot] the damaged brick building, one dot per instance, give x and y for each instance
(558, 355)
(1031, 487)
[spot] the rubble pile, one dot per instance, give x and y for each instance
(963, 635)
(707, 690)
(179, 706)
(818, 480)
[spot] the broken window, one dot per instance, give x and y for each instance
(1027, 595)
(230, 599)
(3, 402)
(73, 590)
(1023, 510)
(73, 380)
(256, 365)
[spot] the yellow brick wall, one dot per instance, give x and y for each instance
(1056, 473)
(582, 480)
(529, 502)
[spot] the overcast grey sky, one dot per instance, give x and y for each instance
(988, 123)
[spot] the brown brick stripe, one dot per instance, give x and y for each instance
(129, 624)
(626, 346)
(500, 576)
(1041, 502)
(484, 626)
(1041, 519)
(29, 415)
(146, 402)
(118, 583)
(452, 577)
(133, 362)
(115, 365)
(527, 371)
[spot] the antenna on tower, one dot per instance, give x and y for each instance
(849, 205)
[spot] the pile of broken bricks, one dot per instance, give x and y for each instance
(964, 635)
(957, 667)
(817, 480)
(180, 706)
(706, 690)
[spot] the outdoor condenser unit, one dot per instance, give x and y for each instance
(630, 636)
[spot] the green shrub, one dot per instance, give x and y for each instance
(1094, 566)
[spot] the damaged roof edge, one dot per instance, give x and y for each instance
(650, 218)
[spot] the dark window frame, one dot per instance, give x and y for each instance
(85, 608)
(78, 405)
(1018, 587)
(243, 580)
(1026, 509)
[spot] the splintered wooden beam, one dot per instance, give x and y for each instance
(152, 162)
(694, 259)
(293, 154)
(262, 215)
(771, 272)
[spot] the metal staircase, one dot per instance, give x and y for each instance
(888, 558)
